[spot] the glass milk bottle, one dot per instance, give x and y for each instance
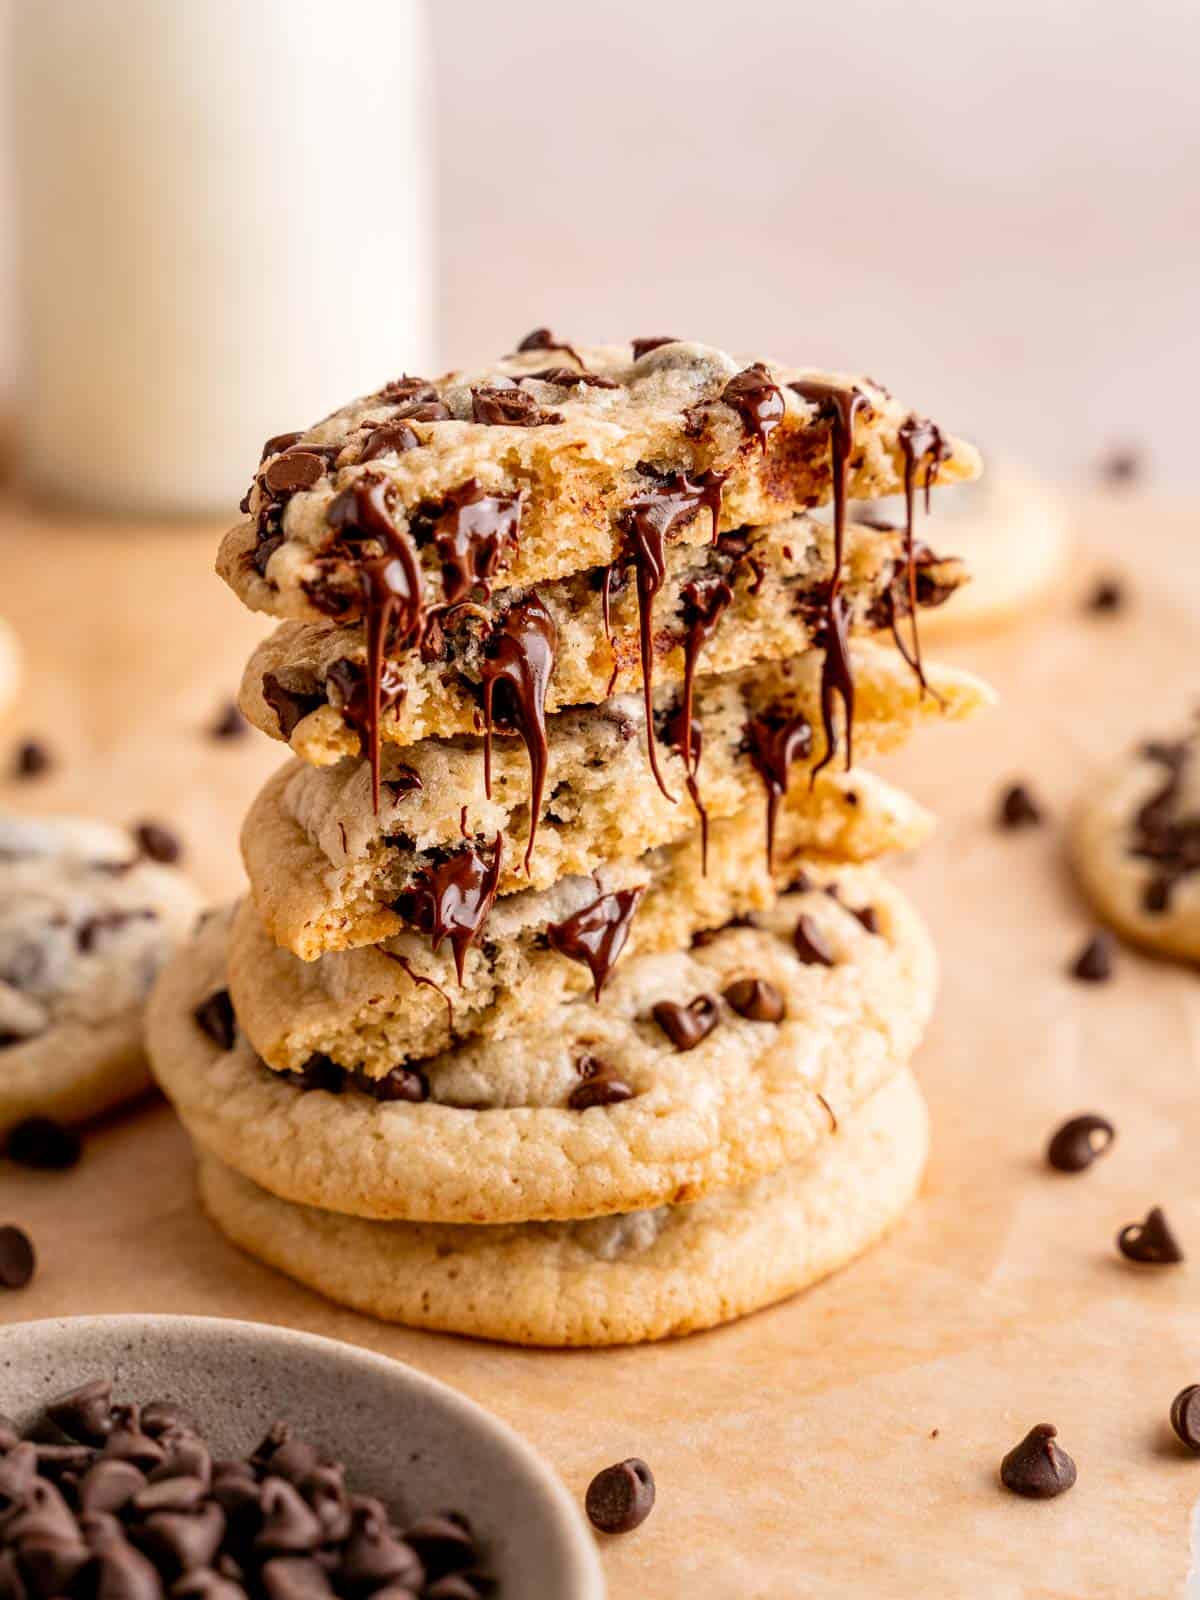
(224, 233)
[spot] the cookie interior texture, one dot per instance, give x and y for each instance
(610, 1280)
(714, 1097)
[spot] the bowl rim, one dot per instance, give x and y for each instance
(584, 1569)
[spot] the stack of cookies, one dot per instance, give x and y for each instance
(567, 1006)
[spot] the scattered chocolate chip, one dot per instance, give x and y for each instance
(1150, 1242)
(157, 842)
(84, 1414)
(1094, 963)
(215, 1017)
(1107, 596)
(687, 1025)
(1018, 808)
(17, 1258)
(1185, 1416)
(44, 1144)
(32, 758)
(229, 723)
(1038, 1468)
(810, 943)
(756, 1000)
(621, 1497)
(1078, 1142)
(643, 347)
(109, 1486)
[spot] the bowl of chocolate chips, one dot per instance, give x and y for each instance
(193, 1458)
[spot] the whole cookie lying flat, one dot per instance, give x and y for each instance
(85, 927)
(758, 594)
(1136, 845)
(328, 873)
(527, 469)
(699, 1069)
(611, 1280)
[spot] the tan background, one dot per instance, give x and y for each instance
(794, 1451)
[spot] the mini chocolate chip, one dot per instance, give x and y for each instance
(157, 842)
(215, 1017)
(127, 1442)
(1185, 1416)
(290, 1526)
(295, 1578)
(177, 1541)
(17, 1258)
(31, 759)
(1038, 1468)
(809, 943)
(687, 1025)
(1018, 808)
(1107, 596)
(1078, 1142)
(1150, 1242)
(1094, 963)
(229, 723)
(44, 1144)
(109, 1486)
(756, 1000)
(621, 1497)
(85, 1413)
(598, 1091)
(373, 1555)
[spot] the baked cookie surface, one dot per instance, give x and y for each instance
(609, 1280)
(10, 666)
(1136, 845)
(521, 471)
(686, 1077)
(326, 871)
(85, 926)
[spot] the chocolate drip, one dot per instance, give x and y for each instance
(596, 934)
(474, 534)
(920, 441)
(520, 663)
(705, 602)
(452, 899)
(423, 982)
(775, 741)
(348, 689)
(648, 521)
(678, 732)
(543, 339)
(1171, 842)
(393, 598)
(757, 400)
(837, 678)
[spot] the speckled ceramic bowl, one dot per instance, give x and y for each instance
(403, 1437)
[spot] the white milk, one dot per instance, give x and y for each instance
(225, 233)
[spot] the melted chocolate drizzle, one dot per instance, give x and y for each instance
(920, 441)
(1160, 836)
(775, 741)
(757, 399)
(677, 732)
(452, 899)
(423, 982)
(649, 520)
(596, 934)
(705, 602)
(837, 677)
(475, 534)
(520, 662)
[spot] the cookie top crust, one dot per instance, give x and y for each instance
(85, 925)
(1136, 845)
(511, 1132)
(520, 471)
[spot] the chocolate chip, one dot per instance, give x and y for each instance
(177, 1541)
(373, 1556)
(294, 469)
(867, 915)
(513, 408)
(17, 1258)
(84, 1413)
(109, 1486)
(1185, 1416)
(1122, 464)
(161, 1416)
(643, 347)
(391, 438)
(289, 705)
(443, 1543)
(810, 944)
(31, 759)
(43, 1144)
(170, 1494)
(229, 723)
(215, 1017)
(1107, 595)
(687, 1025)
(127, 1442)
(290, 1526)
(123, 1573)
(295, 1578)
(203, 1584)
(1018, 808)
(756, 999)
(1078, 1142)
(87, 935)
(157, 842)
(621, 1497)
(1038, 1468)
(598, 1091)
(401, 1083)
(1094, 963)
(1150, 1242)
